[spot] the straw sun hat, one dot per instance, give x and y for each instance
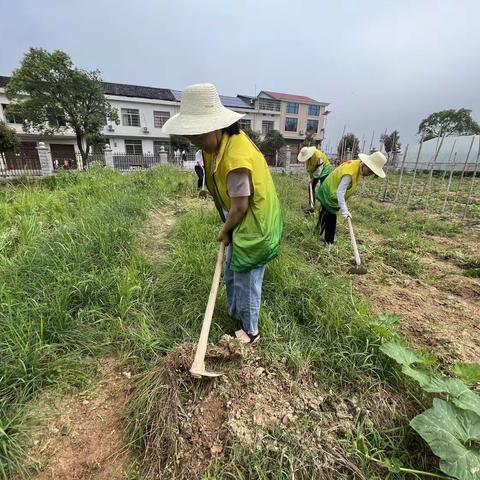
(201, 111)
(374, 162)
(305, 153)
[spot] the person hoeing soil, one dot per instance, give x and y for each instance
(239, 180)
(339, 186)
(318, 167)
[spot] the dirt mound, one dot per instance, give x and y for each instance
(82, 435)
(187, 424)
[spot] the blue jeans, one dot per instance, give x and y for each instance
(244, 294)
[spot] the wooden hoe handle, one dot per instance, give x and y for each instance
(354, 243)
(199, 360)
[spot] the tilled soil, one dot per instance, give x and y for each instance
(442, 311)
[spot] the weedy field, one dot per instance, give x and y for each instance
(105, 281)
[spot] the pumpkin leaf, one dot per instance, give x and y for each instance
(468, 372)
(402, 355)
(458, 392)
(453, 435)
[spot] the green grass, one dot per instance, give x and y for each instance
(77, 287)
(69, 279)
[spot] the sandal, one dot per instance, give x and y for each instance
(247, 338)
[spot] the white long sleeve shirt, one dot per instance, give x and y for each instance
(341, 190)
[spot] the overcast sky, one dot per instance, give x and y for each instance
(381, 64)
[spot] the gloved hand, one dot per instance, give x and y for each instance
(346, 214)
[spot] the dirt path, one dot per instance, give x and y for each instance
(81, 436)
(82, 432)
(442, 312)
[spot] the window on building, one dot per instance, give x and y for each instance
(130, 117)
(245, 123)
(267, 126)
(159, 118)
(11, 117)
(56, 121)
(272, 105)
(292, 107)
(133, 147)
(314, 110)
(312, 126)
(291, 124)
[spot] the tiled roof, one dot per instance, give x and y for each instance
(123, 90)
(229, 102)
(290, 98)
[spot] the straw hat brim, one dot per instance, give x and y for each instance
(304, 155)
(184, 124)
(378, 171)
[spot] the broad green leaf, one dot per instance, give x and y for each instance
(399, 353)
(453, 435)
(460, 394)
(468, 372)
(422, 377)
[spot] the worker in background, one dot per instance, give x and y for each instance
(318, 167)
(242, 188)
(199, 168)
(339, 186)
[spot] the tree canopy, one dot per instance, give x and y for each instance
(272, 142)
(349, 142)
(8, 139)
(391, 141)
(448, 122)
(52, 95)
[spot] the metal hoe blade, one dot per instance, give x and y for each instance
(204, 373)
(358, 270)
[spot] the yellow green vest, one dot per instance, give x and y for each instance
(312, 163)
(327, 193)
(256, 240)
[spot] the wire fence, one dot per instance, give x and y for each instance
(16, 165)
(450, 190)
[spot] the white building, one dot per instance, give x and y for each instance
(143, 110)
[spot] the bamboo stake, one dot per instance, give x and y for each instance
(449, 182)
(371, 141)
(381, 141)
(415, 171)
(472, 183)
(363, 143)
(463, 173)
(434, 161)
(401, 175)
(448, 161)
(430, 164)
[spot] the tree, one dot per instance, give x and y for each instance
(272, 142)
(254, 136)
(179, 142)
(8, 142)
(448, 122)
(348, 143)
(52, 95)
(391, 142)
(8, 139)
(310, 138)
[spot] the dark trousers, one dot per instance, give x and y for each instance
(199, 172)
(327, 224)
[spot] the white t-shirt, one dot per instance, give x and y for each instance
(341, 191)
(199, 158)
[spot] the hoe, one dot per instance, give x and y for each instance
(358, 269)
(198, 366)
